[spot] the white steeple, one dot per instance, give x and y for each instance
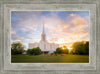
(43, 35)
(43, 28)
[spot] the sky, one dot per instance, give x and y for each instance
(60, 26)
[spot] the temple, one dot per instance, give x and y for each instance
(44, 45)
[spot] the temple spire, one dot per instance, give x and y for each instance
(43, 35)
(43, 27)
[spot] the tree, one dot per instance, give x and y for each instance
(17, 48)
(34, 51)
(80, 48)
(86, 47)
(58, 50)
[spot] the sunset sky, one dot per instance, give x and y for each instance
(60, 26)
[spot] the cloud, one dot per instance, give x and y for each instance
(66, 26)
(79, 23)
(71, 31)
(25, 21)
(53, 40)
(27, 27)
(13, 31)
(16, 37)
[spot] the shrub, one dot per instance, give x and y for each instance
(34, 51)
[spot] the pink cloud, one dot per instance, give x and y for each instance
(73, 30)
(78, 21)
(13, 31)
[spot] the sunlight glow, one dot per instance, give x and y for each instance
(63, 48)
(69, 48)
(60, 41)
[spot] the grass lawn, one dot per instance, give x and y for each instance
(50, 59)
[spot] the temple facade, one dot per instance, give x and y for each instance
(43, 44)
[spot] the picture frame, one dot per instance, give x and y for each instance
(53, 68)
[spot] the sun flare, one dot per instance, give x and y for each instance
(69, 48)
